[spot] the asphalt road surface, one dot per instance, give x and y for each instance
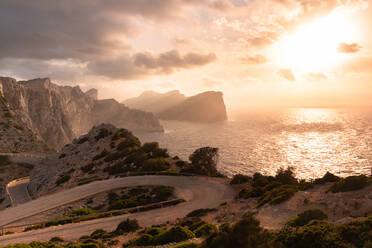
(18, 192)
(197, 191)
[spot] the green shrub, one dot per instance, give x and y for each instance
(350, 183)
(103, 133)
(175, 234)
(100, 234)
(327, 178)
(155, 164)
(87, 168)
(163, 193)
(127, 226)
(181, 164)
(56, 239)
(4, 160)
(144, 240)
(130, 141)
(260, 180)
(112, 157)
(205, 230)
(81, 212)
(117, 168)
(239, 179)
(200, 212)
(83, 140)
(286, 176)
(101, 155)
(63, 179)
(358, 232)
(153, 231)
(187, 245)
(277, 195)
(307, 216)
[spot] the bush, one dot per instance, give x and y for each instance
(163, 193)
(63, 179)
(205, 230)
(153, 231)
(187, 245)
(239, 179)
(4, 160)
(130, 141)
(56, 239)
(83, 140)
(204, 162)
(112, 157)
(101, 155)
(307, 216)
(100, 234)
(175, 234)
(103, 133)
(277, 195)
(200, 212)
(144, 240)
(327, 178)
(81, 212)
(127, 226)
(350, 183)
(260, 180)
(181, 164)
(155, 164)
(87, 168)
(286, 176)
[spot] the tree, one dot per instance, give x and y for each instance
(204, 161)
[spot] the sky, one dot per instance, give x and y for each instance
(299, 53)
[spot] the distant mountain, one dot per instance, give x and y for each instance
(205, 107)
(155, 102)
(45, 114)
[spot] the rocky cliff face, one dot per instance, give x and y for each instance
(205, 107)
(154, 102)
(58, 114)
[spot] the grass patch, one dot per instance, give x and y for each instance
(307, 216)
(350, 183)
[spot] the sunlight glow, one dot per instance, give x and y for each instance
(314, 46)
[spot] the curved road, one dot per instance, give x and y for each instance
(197, 191)
(18, 192)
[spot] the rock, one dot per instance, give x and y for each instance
(205, 107)
(55, 115)
(93, 93)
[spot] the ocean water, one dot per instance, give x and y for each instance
(312, 141)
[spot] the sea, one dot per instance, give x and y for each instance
(311, 141)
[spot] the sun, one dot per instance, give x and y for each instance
(314, 46)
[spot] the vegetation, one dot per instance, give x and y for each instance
(327, 178)
(63, 179)
(203, 162)
(205, 230)
(239, 179)
(350, 183)
(307, 216)
(200, 212)
(83, 140)
(127, 226)
(4, 160)
(103, 133)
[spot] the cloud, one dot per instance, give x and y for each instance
(349, 48)
(254, 60)
(141, 65)
(316, 76)
(287, 74)
(263, 39)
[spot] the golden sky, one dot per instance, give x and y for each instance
(258, 52)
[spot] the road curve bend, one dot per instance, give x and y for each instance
(199, 192)
(18, 192)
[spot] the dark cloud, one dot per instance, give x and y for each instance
(287, 74)
(85, 30)
(254, 60)
(141, 65)
(349, 48)
(316, 77)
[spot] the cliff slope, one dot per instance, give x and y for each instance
(56, 115)
(154, 102)
(205, 107)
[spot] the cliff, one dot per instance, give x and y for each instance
(56, 115)
(205, 107)
(154, 102)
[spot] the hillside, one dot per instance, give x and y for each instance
(104, 152)
(155, 102)
(47, 114)
(205, 107)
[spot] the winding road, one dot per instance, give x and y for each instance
(18, 192)
(199, 192)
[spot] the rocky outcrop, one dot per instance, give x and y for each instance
(58, 114)
(93, 93)
(154, 102)
(205, 107)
